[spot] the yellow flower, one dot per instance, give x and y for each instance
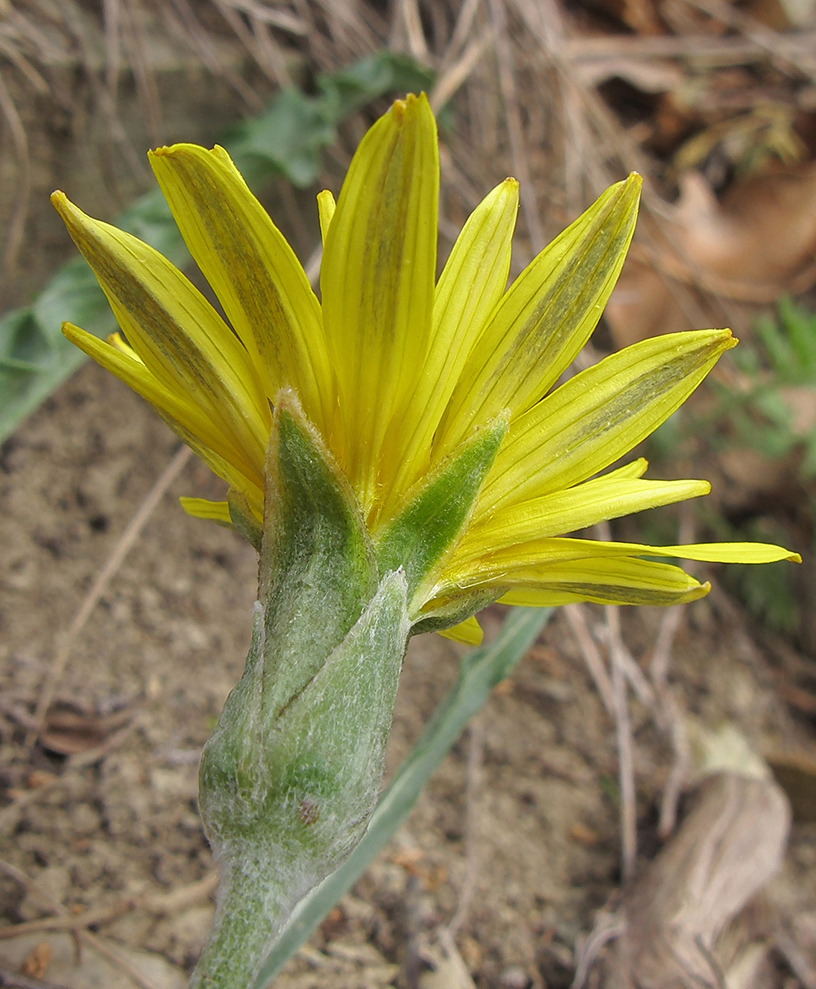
(401, 374)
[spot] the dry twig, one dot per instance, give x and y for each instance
(626, 759)
(518, 149)
(591, 654)
(16, 227)
(156, 903)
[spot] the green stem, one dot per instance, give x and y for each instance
(252, 909)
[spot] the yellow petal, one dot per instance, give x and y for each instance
(494, 567)
(726, 552)
(202, 508)
(377, 282)
(177, 334)
(325, 210)
(471, 284)
(603, 581)
(251, 268)
(600, 414)
(178, 409)
(577, 508)
(118, 341)
(468, 632)
(547, 315)
(637, 468)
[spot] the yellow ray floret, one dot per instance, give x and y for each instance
(423, 393)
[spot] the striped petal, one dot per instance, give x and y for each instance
(203, 508)
(325, 211)
(547, 315)
(180, 338)
(471, 284)
(495, 567)
(600, 414)
(252, 270)
(603, 581)
(377, 283)
(569, 511)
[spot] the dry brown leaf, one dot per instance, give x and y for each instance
(755, 244)
(69, 730)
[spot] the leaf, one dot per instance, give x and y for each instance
(288, 139)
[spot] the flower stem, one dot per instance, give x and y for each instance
(252, 908)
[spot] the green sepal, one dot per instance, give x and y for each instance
(317, 564)
(243, 518)
(447, 613)
(435, 515)
(330, 758)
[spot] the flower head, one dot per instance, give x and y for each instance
(434, 399)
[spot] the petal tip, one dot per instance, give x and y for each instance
(182, 149)
(628, 190)
(168, 150)
(412, 104)
(63, 205)
(510, 187)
